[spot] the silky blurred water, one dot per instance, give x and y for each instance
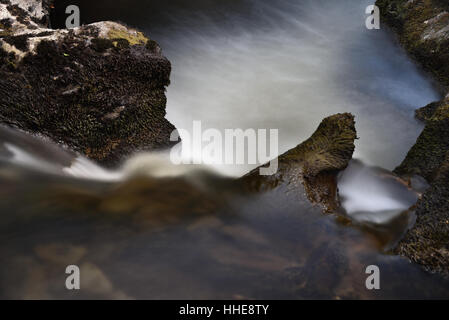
(283, 65)
(287, 65)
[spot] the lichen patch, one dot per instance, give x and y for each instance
(112, 30)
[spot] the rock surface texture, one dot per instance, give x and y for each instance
(100, 88)
(423, 29)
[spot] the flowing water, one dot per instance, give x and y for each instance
(155, 230)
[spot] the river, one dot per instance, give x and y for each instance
(155, 230)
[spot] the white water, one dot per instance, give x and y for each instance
(288, 65)
(368, 194)
(155, 164)
(81, 167)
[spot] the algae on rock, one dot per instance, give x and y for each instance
(100, 88)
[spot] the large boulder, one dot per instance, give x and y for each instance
(427, 243)
(100, 88)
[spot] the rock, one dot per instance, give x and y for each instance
(423, 29)
(425, 113)
(314, 164)
(427, 243)
(100, 88)
(429, 152)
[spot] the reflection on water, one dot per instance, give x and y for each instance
(377, 200)
(365, 189)
(152, 230)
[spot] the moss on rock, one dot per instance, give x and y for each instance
(313, 165)
(423, 29)
(132, 37)
(429, 151)
(65, 84)
(427, 243)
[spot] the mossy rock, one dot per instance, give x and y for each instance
(427, 243)
(420, 25)
(102, 97)
(428, 153)
(425, 113)
(312, 166)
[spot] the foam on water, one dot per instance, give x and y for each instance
(85, 169)
(370, 194)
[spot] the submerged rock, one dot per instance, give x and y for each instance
(423, 29)
(99, 89)
(314, 164)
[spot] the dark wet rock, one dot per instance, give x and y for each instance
(423, 29)
(312, 166)
(429, 152)
(100, 88)
(427, 243)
